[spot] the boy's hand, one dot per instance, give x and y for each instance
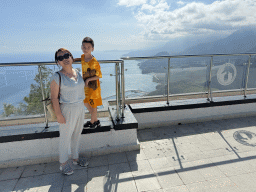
(86, 82)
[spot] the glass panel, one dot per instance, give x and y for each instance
(145, 78)
(20, 92)
(228, 72)
(252, 73)
(189, 75)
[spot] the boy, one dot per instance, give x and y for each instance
(91, 74)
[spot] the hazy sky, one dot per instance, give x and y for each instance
(46, 25)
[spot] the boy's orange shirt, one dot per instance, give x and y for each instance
(92, 64)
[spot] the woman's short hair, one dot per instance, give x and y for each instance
(62, 50)
(88, 40)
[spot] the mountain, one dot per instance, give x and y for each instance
(174, 46)
(241, 41)
(253, 50)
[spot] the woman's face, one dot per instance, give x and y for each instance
(64, 59)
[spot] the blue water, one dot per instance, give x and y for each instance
(15, 81)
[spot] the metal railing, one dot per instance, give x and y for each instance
(209, 93)
(119, 82)
(120, 77)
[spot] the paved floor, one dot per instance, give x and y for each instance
(212, 156)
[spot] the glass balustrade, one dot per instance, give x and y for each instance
(21, 89)
(252, 72)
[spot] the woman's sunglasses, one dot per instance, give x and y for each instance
(65, 56)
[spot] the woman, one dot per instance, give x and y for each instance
(69, 109)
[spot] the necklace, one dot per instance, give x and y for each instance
(70, 75)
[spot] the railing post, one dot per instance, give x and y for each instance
(42, 88)
(117, 93)
(247, 76)
(123, 88)
(209, 82)
(168, 81)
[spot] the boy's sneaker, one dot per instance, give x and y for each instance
(97, 123)
(83, 162)
(66, 169)
(89, 125)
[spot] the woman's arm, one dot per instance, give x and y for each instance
(55, 102)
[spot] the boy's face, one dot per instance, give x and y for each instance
(87, 48)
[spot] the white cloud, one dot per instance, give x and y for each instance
(129, 3)
(194, 18)
(180, 3)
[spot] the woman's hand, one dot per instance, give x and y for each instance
(61, 119)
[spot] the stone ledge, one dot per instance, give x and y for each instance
(37, 131)
(191, 103)
(128, 122)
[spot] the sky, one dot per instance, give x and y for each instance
(46, 25)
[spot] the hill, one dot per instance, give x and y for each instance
(241, 41)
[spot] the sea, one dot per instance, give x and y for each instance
(15, 81)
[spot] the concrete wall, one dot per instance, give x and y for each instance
(36, 151)
(164, 118)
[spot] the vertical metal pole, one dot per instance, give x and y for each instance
(123, 88)
(247, 76)
(117, 92)
(42, 88)
(209, 82)
(168, 81)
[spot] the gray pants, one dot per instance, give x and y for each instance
(70, 132)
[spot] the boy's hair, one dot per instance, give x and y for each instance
(88, 40)
(62, 50)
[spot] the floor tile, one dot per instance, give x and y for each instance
(234, 168)
(181, 188)
(117, 158)
(146, 182)
(152, 152)
(96, 161)
(135, 155)
(33, 170)
(75, 188)
(140, 167)
(190, 176)
(168, 178)
(11, 173)
(8, 185)
(99, 184)
(123, 182)
(159, 163)
(98, 172)
(208, 169)
(217, 153)
(53, 167)
(78, 177)
(119, 168)
(51, 182)
(245, 182)
(215, 185)
(156, 190)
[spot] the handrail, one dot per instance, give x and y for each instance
(78, 61)
(120, 85)
(210, 72)
(184, 56)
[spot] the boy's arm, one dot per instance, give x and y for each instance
(90, 79)
(98, 70)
